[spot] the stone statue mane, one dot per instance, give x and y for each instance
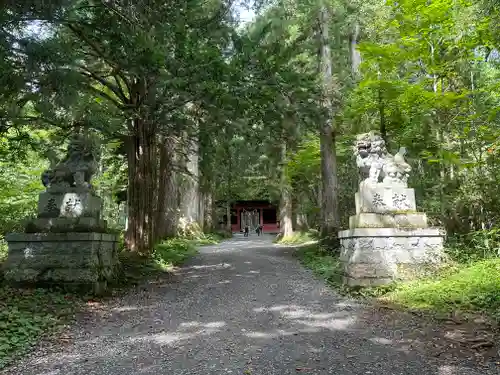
(77, 168)
(377, 165)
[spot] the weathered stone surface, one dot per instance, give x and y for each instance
(76, 168)
(375, 163)
(374, 220)
(83, 258)
(376, 256)
(384, 199)
(67, 242)
(349, 281)
(63, 225)
(69, 204)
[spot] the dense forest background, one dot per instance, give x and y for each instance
(194, 109)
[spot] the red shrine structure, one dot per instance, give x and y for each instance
(254, 213)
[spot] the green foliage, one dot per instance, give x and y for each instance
(469, 287)
(322, 262)
(298, 238)
(472, 287)
(27, 315)
(173, 252)
(3, 253)
(473, 246)
(136, 269)
(19, 188)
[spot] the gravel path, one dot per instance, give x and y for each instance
(241, 307)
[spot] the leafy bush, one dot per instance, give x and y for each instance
(322, 262)
(174, 252)
(472, 287)
(468, 287)
(475, 245)
(26, 315)
(297, 238)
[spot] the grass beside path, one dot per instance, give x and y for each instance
(299, 238)
(472, 287)
(166, 256)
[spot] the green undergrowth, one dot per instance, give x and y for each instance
(166, 256)
(174, 252)
(473, 287)
(298, 238)
(28, 315)
(322, 262)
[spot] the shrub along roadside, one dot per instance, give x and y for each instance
(472, 287)
(299, 238)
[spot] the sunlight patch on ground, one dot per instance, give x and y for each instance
(126, 308)
(169, 338)
(279, 333)
(381, 340)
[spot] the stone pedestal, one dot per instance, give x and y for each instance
(69, 204)
(67, 244)
(387, 239)
(61, 258)
(385, 199)
(378, 256)
(387, 220)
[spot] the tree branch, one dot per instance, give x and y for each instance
(81, 35)
(115, 89)
(119, 105)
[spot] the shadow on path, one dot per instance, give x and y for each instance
(242, 307)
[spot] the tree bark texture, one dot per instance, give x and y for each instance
(168, 207)
(141, 154)
(286, 223)
(353, 49)
(190, 195)
(329, 206)
(208, 217)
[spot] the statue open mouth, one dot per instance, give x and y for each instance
(363, 149)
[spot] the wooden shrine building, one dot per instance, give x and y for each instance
(253, 213)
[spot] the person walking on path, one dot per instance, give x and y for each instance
(247, 230)
(258, 230)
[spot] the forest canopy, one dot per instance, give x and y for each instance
(193, 107)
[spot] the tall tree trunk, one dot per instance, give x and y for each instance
(353, 49)
(286, 224)
(329, 207)
(141, 157)
(228, 216)
(167, 214)
(229, 191)
(208, 217)
(190, 198)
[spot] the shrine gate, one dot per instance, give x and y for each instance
(254, 213)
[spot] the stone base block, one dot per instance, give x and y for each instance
(384, 199)
(69, 205)
(64, 225)
(61, 258)
(372, 220)
(378, 256)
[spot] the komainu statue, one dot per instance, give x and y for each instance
(377, 165)
(77, 168)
